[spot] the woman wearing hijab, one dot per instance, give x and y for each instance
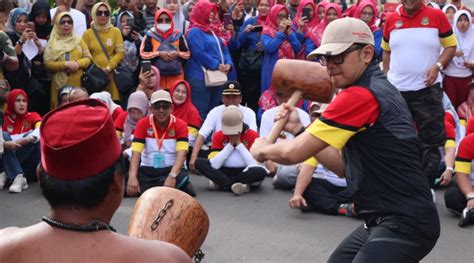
(105, 97)
(112, 42)
(187, 9)
(304, 24)
(331, 13)
(179, 21)
(458, 73)
(367, 12)
(184, 109)
(205, 49)
(40, 16)
(18, 127)
(18, 32)
(251, 43)
(279, 42)
(449, 10)
(66, 56)
(131, 45)
(166, 47)
(138, 106)
(149, 81)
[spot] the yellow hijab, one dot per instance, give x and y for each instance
(58, 45)
(96, 25)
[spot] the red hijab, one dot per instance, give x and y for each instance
(316, 34)
(261, 19)
(15, 123)
(200, 15)
(314, 21)
(186, 111)
(270, 28)
(358, 13)
(171, 31)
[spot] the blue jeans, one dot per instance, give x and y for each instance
(204, 98)
(22, 161)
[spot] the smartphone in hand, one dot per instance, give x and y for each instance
(227, 19)
(306, 12)
(31, 25)
(257, 29)
(146, 65)
(130, 22)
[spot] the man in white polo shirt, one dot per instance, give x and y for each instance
(80, 25)
(412, 39)
(231, 95)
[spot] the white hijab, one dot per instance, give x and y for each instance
(105, 97)
(465, 39)
(178, 18)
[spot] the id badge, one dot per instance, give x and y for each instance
(159, 160)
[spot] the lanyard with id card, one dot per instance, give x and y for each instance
(159, 158)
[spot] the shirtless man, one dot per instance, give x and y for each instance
(81, 178)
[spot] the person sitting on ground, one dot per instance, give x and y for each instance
(83, 196)
(160, 141)
(105, 97)
(459, 198)
(466, 109)
(78, 93)
(285, 175)
(22, 153)
(149, 81)
(231, 95)
(184, 109)
(230, 165)
(137, 108)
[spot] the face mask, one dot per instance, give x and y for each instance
(164, 27)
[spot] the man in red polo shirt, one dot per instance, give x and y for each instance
(412, 39)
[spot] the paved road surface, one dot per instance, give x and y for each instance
(257, 227)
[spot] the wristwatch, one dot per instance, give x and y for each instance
(470, 196)
(440, 66)
(451, 169)
(173, 175)
(19, 42)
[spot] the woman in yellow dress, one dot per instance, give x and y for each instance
(112, 40)
(66, 56)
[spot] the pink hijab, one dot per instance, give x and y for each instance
(317, 33)
(270, 28)
(358, 13)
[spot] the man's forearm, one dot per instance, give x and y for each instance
(464, 183)
(386, 61)
(179, 162)
(197, 145)
(134, 163)
(447, 56)
(304, 178)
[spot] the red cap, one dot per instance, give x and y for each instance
(470, 126)
(78, 140)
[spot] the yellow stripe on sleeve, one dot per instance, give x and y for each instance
(182, 146)
(212, 154)
(119, 134)
(311, 162)
(336, 137)
(193, 131)
(138, 147)
(462, 122)
(450, 144)
(449, 41)
(37, 125)
(385, 45)
(463, 167)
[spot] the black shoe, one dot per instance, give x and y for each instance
(467, 217)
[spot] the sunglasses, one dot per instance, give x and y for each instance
(339, 59)
(63, 22)
(102, 13)
(164, 21)
(165, 106)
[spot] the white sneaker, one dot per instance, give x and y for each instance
(3, 180)
(19, 184)
(212, 186)
(240, 189)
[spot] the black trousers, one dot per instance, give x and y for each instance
(226, 177)
(251, 91)
(149, 177)
(325, 197)
(389, 241)
(454, 199)
(427, 111)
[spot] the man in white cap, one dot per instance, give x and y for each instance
(370, 122)
(159, 149)
(230, 165)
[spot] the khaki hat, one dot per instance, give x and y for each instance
(321, 108)
(341, 34)
(232, 120)
(160, 95)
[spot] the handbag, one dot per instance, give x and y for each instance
(215, 78)
(94, 79)
(123, 75)
(250, 62)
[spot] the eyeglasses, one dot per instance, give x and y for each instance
(282, 17)
(102, 13)
(339, 59)
(63, 22)
(164, 106)
(367, 14)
